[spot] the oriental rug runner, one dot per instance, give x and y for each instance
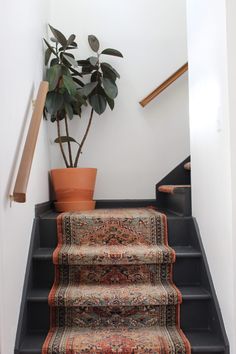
(113, 290)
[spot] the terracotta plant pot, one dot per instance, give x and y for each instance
(74, 188)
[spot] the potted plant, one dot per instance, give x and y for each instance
(74, 85)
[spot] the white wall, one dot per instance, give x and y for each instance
(210, 146)
(133, 147)
(231, 44)
(22, 25)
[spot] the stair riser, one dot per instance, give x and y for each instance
(115, 316)
(182, 272)
(115, 274)
(194, 314)
(180, 232)
(179, 203)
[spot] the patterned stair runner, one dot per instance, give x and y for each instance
(113, 290)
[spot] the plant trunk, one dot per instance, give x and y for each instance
(69, 144)
(60, 143)
(84, 138)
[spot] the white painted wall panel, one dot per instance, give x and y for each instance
(210, 146)
(22, 26)
(132, 147)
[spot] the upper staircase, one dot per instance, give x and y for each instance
(200, 315)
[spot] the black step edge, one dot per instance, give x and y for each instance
(208, 284)
(202, 295)
(21, 327)
(181, 252)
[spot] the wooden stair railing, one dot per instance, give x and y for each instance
(19, 192)
(164, 85)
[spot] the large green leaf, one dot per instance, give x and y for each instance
(93, 61)
(54, 61)
(87, 69)
(54, 102)
(96, 75)
(110, 102)
(94, 43)
(50, 47)
(59, 36)
(53, 75)
(53, 118)
(70, 59)
(65, 71)
(48, 53)
(114, 52)
(83, 62)
(109, 71)
(68, 98)
(110, 88)
(81, 101)
(69, 110)
(70, 40)
(65, 139)
(79, 82)
(69, 84)
(99, 103)
(88, 88)
(75, 72)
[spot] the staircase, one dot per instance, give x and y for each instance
(200, 315)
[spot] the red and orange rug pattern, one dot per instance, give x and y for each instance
(113, 290)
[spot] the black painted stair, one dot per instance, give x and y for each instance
(173, 192)
(200, 316)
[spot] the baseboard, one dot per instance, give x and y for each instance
(124, 203)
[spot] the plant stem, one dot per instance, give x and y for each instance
(60, 143)
(84, 138)
(69, 144)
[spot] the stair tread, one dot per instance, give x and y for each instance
(205, 339)
(172, 188)
(186, 251)
(199, 340)
(181, 251)
(188, 293)
(43, 253)
(163, 293)
(115, 254)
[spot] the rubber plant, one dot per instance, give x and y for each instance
(74, 84)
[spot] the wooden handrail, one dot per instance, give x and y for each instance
(19, 192)
(164, 85)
